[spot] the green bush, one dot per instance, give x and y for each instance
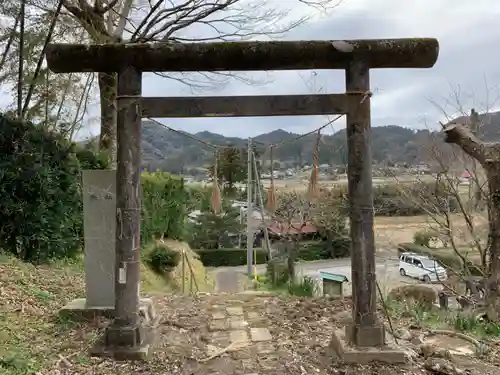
(197, 197)
(424, 237)
(41, 204)
(213, 231)
(163, 203)
(305, 287)
(41, 207)
(446, 256)
(336, 248)
(229, 257)
(90, 159)
(313, 251)
(163, 259)
(277, 272)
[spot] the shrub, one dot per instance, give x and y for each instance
(90, 159)
(163, 259)
(214, 231)
(423, 295)
(41, 204)
(339, 247)
(305, 287)
(313, 251)
(229, 257)
(41, 207)
(197, 196)
(277, 272)
(163, 202)
(424, 237)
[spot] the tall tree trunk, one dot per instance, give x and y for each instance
(107, 94)
(488, 155)
(493, 249)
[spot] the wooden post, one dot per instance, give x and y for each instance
(125, 330)
(366, 330)
(249, 212)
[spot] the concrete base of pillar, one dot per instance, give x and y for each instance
(373, 336)
(78, 310)
(133, 343)
(341, 348)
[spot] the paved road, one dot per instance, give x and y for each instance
(307, 268)
(227, 282)
(387, 270)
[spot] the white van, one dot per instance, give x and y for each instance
(421, 267)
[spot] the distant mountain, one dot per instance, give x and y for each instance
(168, 150)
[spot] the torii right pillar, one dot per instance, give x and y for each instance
(365, 329)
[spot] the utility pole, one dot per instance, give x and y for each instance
(261, 202)
(249, 212)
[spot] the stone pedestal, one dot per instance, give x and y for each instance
(371, 336)
(341, 349)
(373, 346)
(134, 342)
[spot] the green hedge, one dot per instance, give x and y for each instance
(338, 248)
(163, 205)
(41, 205)
(447, 258)
(229, 257)
(307, 251)
(40, 185)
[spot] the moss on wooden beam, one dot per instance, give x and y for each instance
(246, 106)
(243, 56)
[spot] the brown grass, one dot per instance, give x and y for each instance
(32, 335)
(300, 183)
(392, 230)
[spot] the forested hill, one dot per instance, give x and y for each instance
(171, 151)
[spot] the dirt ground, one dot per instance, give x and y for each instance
(197, 338)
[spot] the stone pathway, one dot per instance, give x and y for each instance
(238, 324)
(228, 282)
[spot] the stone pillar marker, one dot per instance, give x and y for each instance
(99, 207)
(99, 223)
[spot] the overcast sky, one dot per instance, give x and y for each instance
(469, 36)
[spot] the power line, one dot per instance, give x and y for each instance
(187, 135)
(192, 137)
(216, 147)
(306, 134)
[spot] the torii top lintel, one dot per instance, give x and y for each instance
(243, 56)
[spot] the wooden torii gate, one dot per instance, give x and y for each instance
(356, 57)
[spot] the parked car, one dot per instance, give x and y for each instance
(421, 267)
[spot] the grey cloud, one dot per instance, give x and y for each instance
(468, 54)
